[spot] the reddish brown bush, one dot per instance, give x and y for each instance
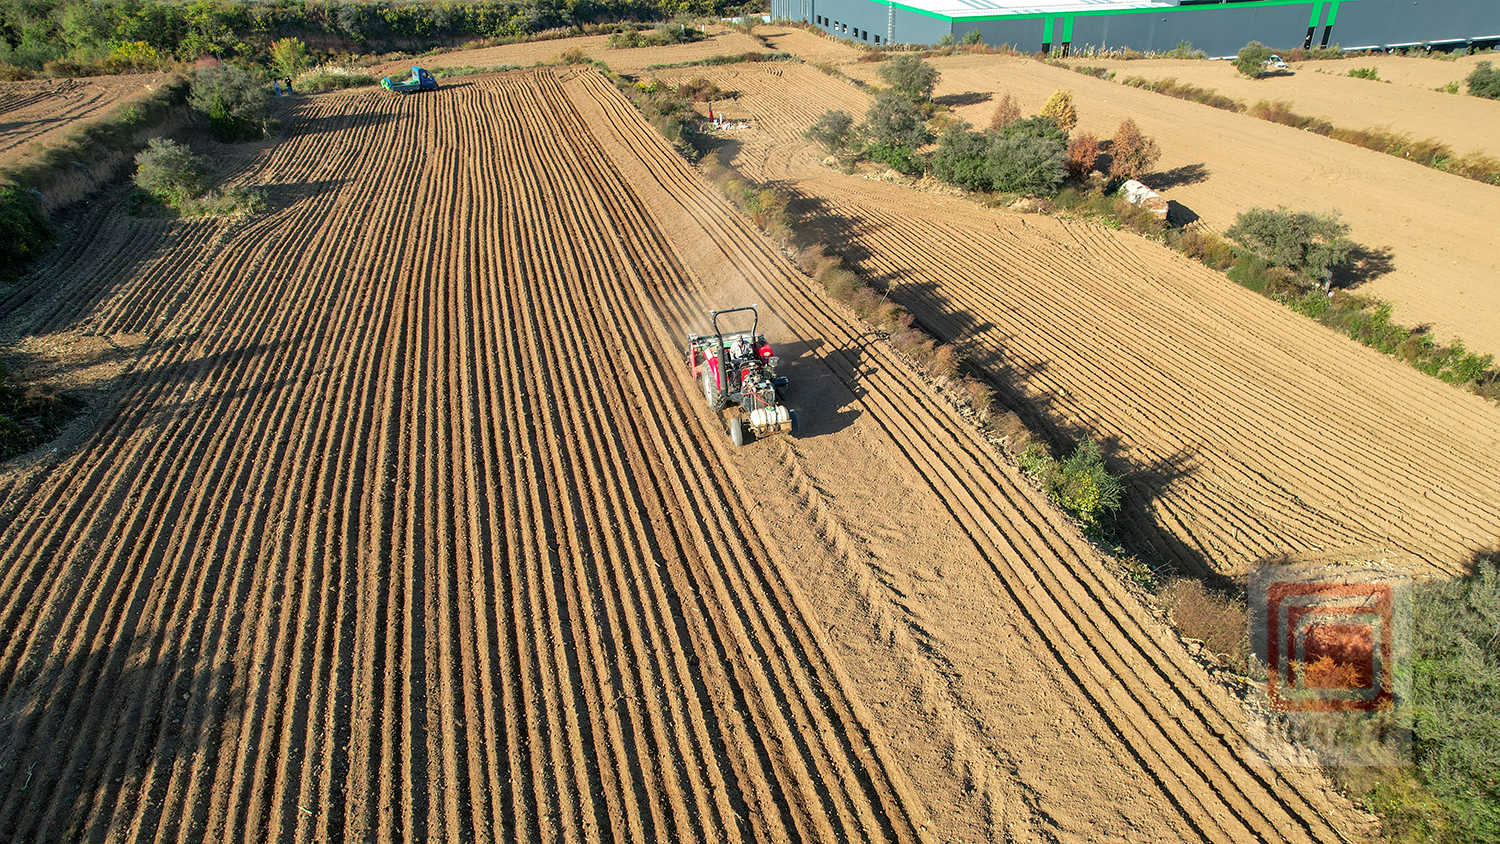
(1083, 153)
(1132, 153)
(1006, 113)
(1214, 619)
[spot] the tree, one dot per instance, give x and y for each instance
(1131, 153)
(963, 158)
(910, 76)
(233, 100)
(289, 58)
(1251, 60)
(1029, 156)
(1311, 245)
(1059, 107)
(834, 130)
(1006, 113)
(1484, 81)
(1083, 153)
(894, 120)
(170, 172)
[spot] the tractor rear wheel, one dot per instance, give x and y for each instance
(710, 394)
(737, 431)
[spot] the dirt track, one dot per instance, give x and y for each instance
(366, 542)
(47, 109)
(1247, 431)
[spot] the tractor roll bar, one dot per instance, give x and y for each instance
(754, 324)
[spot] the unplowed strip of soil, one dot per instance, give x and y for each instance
(627, 60)
(1247, 431)
(403, 522)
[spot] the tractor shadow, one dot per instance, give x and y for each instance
(818, 387)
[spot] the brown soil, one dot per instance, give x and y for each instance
(403, 521)
(525, 54)
(44, 111)
(1244, 430)
(1438, 227)
(1325, 90)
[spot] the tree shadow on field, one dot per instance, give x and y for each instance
(343, 122)
(819, 224)
(106, 727)
(1365, 264)
(1187, 174)
(821, 388)
(966, 98)
(282, 195)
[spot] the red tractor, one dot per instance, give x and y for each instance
(738, 369)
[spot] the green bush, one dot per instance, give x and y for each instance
(234, 101)
(289, 58)
(1455, 695)
(908, 75)
(1484, 81)
(962, 158)
(894, 120)
(1365, 73)
(833, 131)
(335, 77)
(23, 229)
(1029, 156)
(171, 173)
(1251, 60)
(1311, 245)
(1081, 484)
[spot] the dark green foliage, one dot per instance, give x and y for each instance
(660, 36)
(894, 120)
(1456, 696)
(1311, 245)
(901, 158)
(1484, 81)
(1080, 484)
(1370, 73)
(85, 32)
(233, 100)
(1251, 60)
(289, 58)
(23, 230)
(1028, 156)
(908, 75)
(834, 130)
(962, 158)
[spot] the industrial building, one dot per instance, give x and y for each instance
(1218, 27)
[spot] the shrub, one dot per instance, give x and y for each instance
(1484, 81)
(1206, 248)
(701, 89)
(171, 173)
(1184, 50)
(1456, 691)
(972, 37)
(234, 101)
(573, 55)
(894, 120)
(1185, 91)
(962, 158)
(1365, 73)
(1251, 60)
(1029, 156)
(901, 158)
(1219, 621)
(1006, 113)
(23, 229)
(1311, 245)
(910, 76)
(1132, 153)
(834, 130)
(289, 58)
(1083, 153)
(334, 77)
(1081, 484)
(1060, 108)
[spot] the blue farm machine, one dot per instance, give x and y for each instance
(737, 369)
(420, 80)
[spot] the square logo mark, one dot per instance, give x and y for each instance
(1329, 646)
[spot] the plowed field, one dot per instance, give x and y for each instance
(400, 520)
(44, 110)
(1437, 226)
(1248, 431)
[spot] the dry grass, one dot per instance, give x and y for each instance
(1218, 621)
